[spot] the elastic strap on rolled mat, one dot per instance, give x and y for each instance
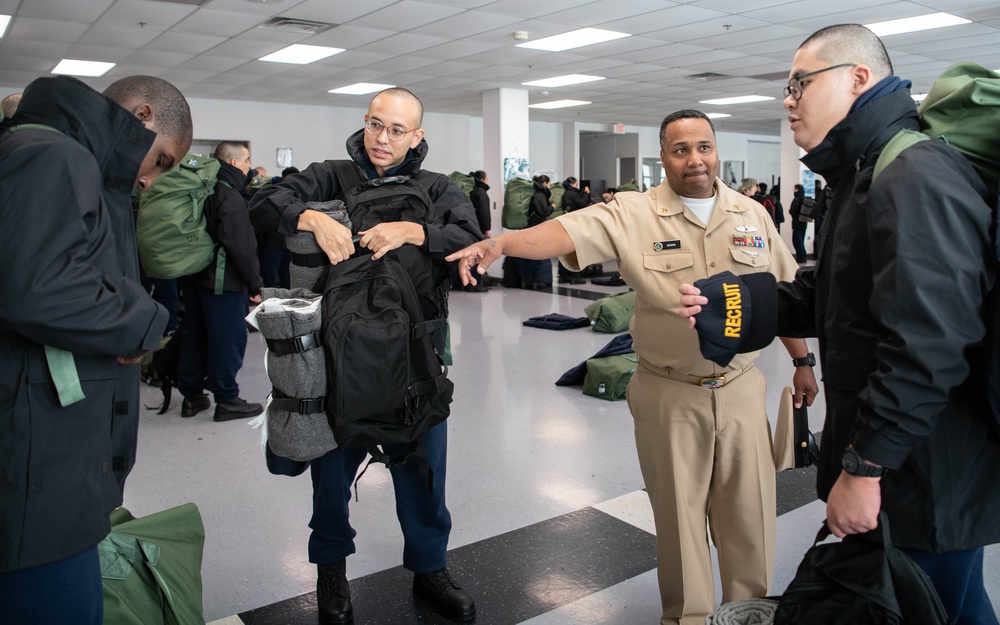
(62, 368)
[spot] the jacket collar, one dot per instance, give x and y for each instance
(480, 183)
(231, 175)
(409, 167)
(116, 138)
(669, 203)
(852, 142)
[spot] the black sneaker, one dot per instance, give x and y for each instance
(445, 595)
(239, 408)
(193, 405)
(333, 595)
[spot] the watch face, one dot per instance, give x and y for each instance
(850, 461)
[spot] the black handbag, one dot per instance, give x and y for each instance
(862, 580)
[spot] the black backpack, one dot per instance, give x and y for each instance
(863, 580)
(384, 324)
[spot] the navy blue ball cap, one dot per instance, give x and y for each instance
(740, 316)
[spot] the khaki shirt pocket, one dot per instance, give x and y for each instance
(757, 260)
(663, 273)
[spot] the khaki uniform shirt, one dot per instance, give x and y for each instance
(660, 244)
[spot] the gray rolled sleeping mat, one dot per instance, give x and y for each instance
(309, 264)
(291, 323)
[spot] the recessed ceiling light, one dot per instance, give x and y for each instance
(918, 97)
(4, 21)
(360, 88)
(81, 68)
(743, 99)
(573, 39)
(562, 81)
(914, 24)
(301, 54)
(718, 115)
(557, 104)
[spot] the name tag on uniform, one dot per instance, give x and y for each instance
(659, 246)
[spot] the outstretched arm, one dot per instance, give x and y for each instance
(546, 240)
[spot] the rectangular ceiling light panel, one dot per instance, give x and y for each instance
(573, 39)
(301, 54)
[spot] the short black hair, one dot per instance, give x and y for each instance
(228, 150)
(542, 178)
(479, 174)
(851, 43)
(170, 110)
(682, 114)
(288, 171)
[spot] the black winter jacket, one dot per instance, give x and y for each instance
(541, 206)
(69, 280)
(278, 206)
(897, 300)
(228, 222)
(574, 199)
(481, 203)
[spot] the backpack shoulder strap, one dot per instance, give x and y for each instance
(899, 142)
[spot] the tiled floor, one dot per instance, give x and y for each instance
(551, 526)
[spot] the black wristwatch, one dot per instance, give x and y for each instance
(854, 464)
(809, 360)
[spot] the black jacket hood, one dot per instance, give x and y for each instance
(116, 138)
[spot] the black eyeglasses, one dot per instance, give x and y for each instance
(796, 84)
(396, 133)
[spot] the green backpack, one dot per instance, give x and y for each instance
(612, 313)
(608, 376)
(171, 229)
(963, 108)
(631, 185)
(465, 182)
(557, 191)
(516, 203)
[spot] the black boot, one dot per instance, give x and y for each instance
(445, 595)
(333, 594)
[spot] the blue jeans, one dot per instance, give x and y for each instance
(213, 341)
(67, 592)
(958, 579)
(423, 516)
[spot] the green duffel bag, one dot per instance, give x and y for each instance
(516, 203)
(607, 377)
(151, 568)
(465, 182)
(557, 191)
(612, 313)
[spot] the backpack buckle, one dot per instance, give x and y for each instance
(378, 182)
(312, 405)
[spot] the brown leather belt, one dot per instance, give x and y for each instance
(710, 382)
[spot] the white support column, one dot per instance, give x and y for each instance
(505, 135)
(791, 174)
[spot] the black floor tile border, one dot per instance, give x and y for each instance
(513, 577)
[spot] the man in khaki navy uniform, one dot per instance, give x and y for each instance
(701, 430)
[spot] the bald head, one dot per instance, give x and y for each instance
(402, 94)
(851, 43)
(9, 104)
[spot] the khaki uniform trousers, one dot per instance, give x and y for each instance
(706, 452)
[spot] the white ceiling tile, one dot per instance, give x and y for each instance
(56, 31)
(467, 24)
(350, 36)
(132, 37)
(184, 43)
(155, 15)
(104, 54)
(158, 58)
(218, 23)
(62, 10)
(335, 11)
(406, 15)
(457, 49)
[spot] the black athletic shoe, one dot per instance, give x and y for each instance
(193, 405)
(239, 408)
(445, 595)
(333, 595)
